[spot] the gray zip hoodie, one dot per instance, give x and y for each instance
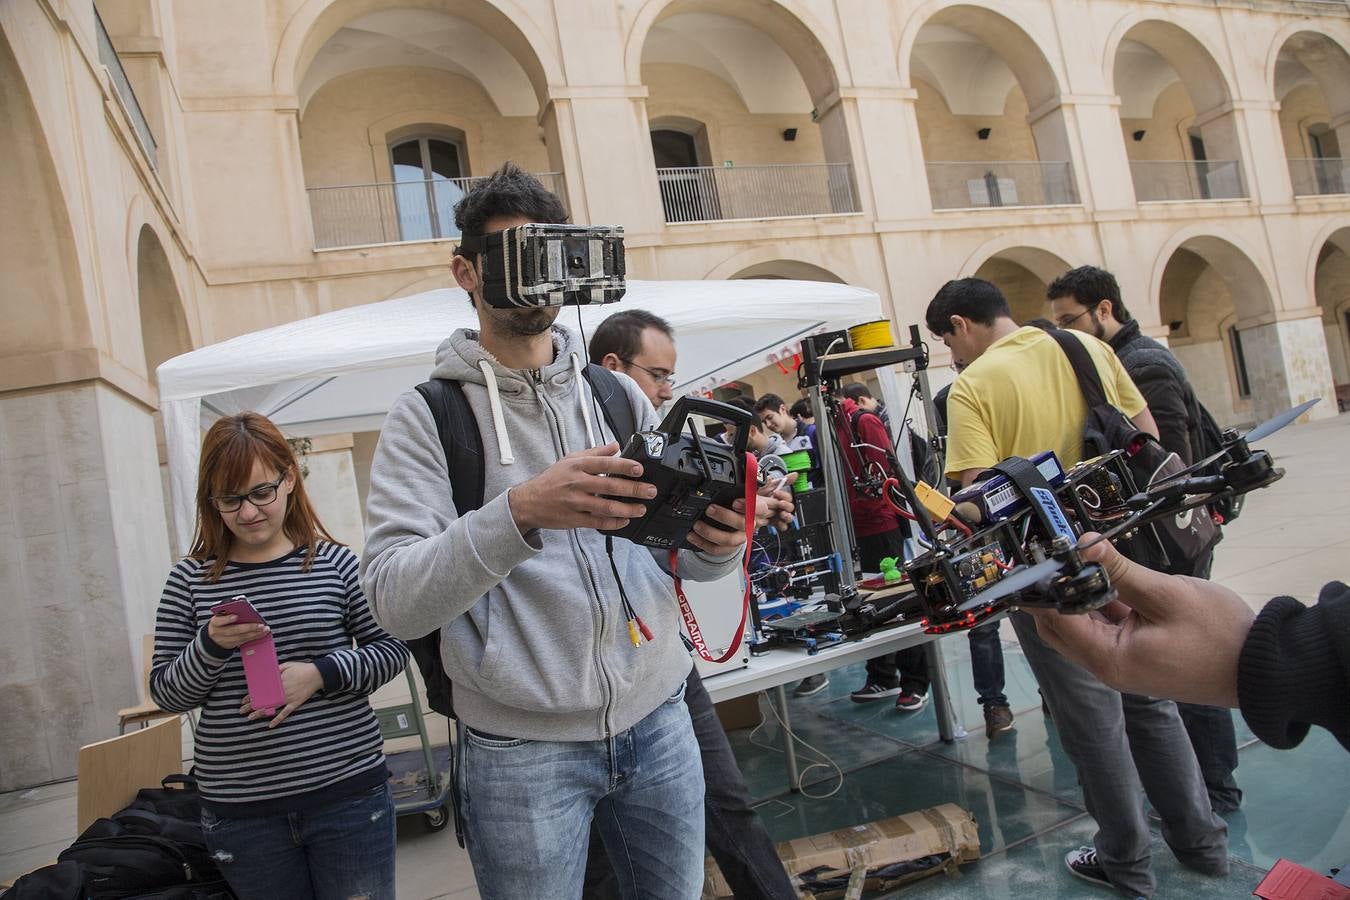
(533, 633)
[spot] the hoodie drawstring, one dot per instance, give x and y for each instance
(581, 400)
(498, 419)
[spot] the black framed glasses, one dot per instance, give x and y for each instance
(659, 375)
(1066, 321)
(260, 496)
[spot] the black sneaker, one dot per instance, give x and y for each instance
(811, 684)
(1083, 863)
(907, 702)
(873, 691)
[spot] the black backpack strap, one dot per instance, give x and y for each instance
(460, 439)
(614, 403)
(1089, 379)
(1038, 493)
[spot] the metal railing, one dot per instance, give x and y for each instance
(107, 55)
(707, 193)
(1328, 175)
(985, 185)
(1157, 181)
(357, 215)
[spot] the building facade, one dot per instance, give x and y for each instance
(178, 173)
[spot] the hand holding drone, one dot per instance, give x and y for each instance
(1013, 538)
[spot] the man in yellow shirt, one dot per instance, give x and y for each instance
(1018, 396)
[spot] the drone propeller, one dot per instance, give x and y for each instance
(1018, 581)
(1270, 426)
(1264, 430)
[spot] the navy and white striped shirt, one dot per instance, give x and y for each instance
(327, 749)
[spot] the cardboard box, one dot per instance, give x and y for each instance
(946, 829)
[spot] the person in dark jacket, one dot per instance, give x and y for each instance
(1286, 668)
(1088, 299)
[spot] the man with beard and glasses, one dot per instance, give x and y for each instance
(1087, 299)
(561, 717)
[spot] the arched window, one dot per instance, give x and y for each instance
(429, 178)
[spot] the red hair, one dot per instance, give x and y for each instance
(229, 451)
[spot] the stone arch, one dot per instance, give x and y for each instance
(164, 326)
(43, 305)
(1210, 285)
(1248, 280)
(998, 28)
(762, 260)
(1332, 74)
(1021, 271)
(792, 27)
(789, 269)
(1330, 272)
(317, 20)
(1187, 52)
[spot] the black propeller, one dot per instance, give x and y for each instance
(1018, 581)
(1264, 430)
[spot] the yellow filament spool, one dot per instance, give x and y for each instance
(872, 335)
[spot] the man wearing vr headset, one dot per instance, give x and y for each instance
(561, 717)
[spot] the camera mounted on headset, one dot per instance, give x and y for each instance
(536, 265)
(690, 472)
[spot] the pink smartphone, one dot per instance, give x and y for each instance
(262, 674)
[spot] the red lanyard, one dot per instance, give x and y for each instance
(691, 623)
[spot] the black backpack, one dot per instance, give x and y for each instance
(463, 446)
(154, 848)
(1174, 544)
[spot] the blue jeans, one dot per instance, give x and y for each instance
(986, 664)
(345, 849)
(528, 807)
(735, 833)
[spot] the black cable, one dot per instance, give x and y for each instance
(595, 406)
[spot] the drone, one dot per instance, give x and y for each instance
(1012, 539)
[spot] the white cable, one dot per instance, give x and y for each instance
(801, 775)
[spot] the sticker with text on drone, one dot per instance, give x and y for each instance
(1052, 512)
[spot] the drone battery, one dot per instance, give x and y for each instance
(997, 498)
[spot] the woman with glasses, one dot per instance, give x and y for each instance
(295, 802)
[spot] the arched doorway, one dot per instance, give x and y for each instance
(1023, 274)
(978, 76)
(1312, 86)
(1209, 293)
(1331, 284)
(164, 328)
(744, 114)
(402, 107)
(1175, 115)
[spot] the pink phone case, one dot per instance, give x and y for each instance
(263, 675)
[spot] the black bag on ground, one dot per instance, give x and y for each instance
(153, 848)
(463, 447)
(1171, 544)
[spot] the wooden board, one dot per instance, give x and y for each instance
(112, 771)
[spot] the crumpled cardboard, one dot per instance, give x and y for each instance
(947, 829)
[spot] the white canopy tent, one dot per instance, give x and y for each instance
(341, 371)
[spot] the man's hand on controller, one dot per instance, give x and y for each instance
(574, 493)
(716, 541)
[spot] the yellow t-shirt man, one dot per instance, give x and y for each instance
(1021, 397)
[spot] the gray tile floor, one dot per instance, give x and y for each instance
(1292, 539)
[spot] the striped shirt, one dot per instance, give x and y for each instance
(327, 749)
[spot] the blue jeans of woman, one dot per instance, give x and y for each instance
(344, 849)
(528, 807)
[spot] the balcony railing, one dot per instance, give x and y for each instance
(107, 55)
(1158, 181)
(1328, 175)
(707, 193)
(979, 185)
(358, 215)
